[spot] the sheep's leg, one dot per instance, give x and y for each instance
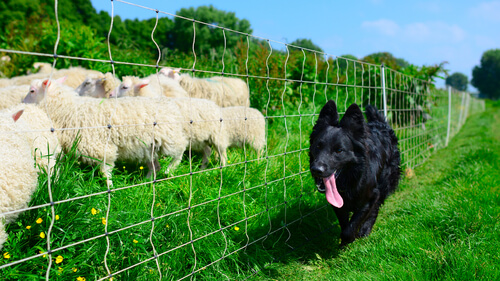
(223, 156)
(107, 171)
(207, 151)
(176, 160)
(153, 165)
(3, 233)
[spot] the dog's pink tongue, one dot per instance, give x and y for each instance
(332, 195)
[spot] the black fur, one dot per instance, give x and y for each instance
(365, 159)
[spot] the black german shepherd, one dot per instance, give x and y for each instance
(356, 164)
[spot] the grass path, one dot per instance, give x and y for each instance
(442, 224)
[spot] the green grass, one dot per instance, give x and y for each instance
(441, 224)
(261, 217)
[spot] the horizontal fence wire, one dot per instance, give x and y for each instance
(228, 220)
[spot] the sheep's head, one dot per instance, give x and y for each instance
(129, 87)
(92, 87)
(38, 89)
(173, 73)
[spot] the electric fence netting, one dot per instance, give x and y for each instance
(229, 220)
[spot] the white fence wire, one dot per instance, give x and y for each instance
(226, 221)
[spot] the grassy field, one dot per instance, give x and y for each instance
(442, 224)
(257, 219)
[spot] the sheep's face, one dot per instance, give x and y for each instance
(38, 89)
(92, 87)
(123, 90)
(36, 92)
(129, 88)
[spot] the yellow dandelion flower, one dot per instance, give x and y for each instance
(141, 167)
(93, 211)
(79, 278)
(57, 217)
(103, 220)
(59, 259)
(135, 241)
(41, 252)
(39, 220)
(6, 255)
(28, 226)
(124, 167)
(168, 226)
(229, 162)
(60, 269)
(236, 228)
(42, 235)
(74, 269)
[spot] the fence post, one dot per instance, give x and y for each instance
(462, 106)
(382, 74)
(449, 116)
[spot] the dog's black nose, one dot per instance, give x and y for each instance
(318, 170)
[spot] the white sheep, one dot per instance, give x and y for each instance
(152, 86)
(243, 125)
(113, 129)
(18, 177)
(225, 91)
(202, 126)
(43, 142)
(74, 77)
(98, 86)
(12, 95)
(43, 67)
(213, 126)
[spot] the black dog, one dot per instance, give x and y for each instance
(356, 164)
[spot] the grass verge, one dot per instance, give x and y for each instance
(442, 223)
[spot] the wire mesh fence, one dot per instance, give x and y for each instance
(229, 220)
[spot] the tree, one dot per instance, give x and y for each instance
(306, 43)
(486, 75)
(208, 37)
(386, 58)
(458, 81)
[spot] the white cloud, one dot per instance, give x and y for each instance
(489, 11)
(382, 26)
(417, 32)
(433, 32)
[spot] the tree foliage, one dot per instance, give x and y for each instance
(307, 43)
(458, 81)
(207, 38)
(486, 75)
(386, 58)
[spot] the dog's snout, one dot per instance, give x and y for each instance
(318, 170)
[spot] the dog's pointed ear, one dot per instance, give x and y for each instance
(354, 121)
(329, 114)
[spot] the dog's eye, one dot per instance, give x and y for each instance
(339, 150)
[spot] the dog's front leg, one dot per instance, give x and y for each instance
(358, 218)
(346, 234)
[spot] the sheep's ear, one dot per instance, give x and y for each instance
(143, 83)
(61, 80)
(45, 83)
(17, 115)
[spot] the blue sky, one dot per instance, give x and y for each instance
(421, 32)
